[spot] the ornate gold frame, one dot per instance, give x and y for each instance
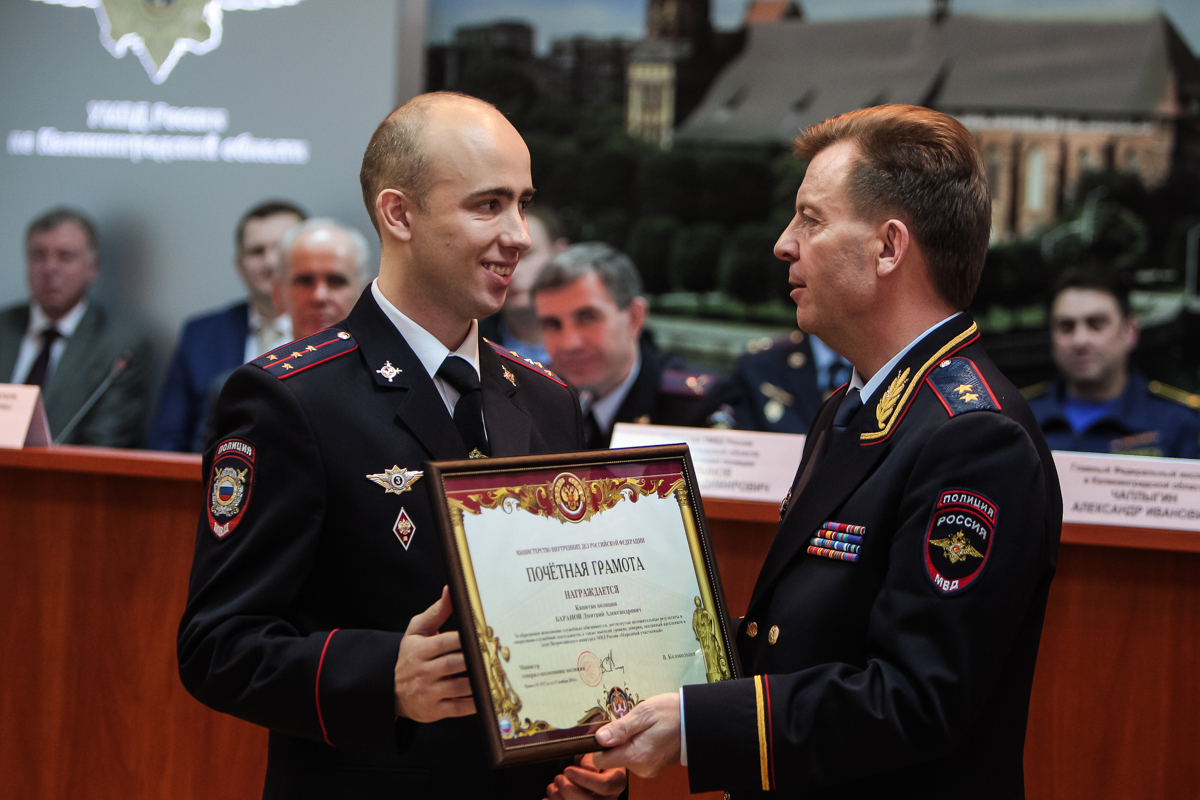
(570, 501)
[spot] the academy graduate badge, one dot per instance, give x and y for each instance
(229, 485)
(958, 539)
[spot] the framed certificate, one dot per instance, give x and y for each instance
(584, 583)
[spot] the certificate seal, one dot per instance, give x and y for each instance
(590, 670)
(570, 497)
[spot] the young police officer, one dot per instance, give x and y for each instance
(317, 556)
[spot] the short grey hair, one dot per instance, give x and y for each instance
(615, 270)
(325, 224)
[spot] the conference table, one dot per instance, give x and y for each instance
(96, 546)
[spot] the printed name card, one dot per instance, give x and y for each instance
(1130, 491)
(22, 418)
(733, 465)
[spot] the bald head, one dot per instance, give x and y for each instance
(401, 153)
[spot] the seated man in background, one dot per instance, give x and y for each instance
(591, 311)
(214, 344)
(516, 326)
(1100, 404)
(779, 385)
(91, 368)
(321, 275)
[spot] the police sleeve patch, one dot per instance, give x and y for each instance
(961, 388)
(229, 485)
(959, 539)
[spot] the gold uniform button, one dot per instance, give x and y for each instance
(773, 635)
(752, 630)
(796, 360)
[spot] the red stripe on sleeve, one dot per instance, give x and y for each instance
(320, 664)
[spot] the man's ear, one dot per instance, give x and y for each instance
(894, 242)
(394, 211)
(1135, 331)
(638, 308)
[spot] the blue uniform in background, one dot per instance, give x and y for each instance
(1148, 419)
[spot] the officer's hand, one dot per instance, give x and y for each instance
(646, 739)
(586, 782)
(429, 680)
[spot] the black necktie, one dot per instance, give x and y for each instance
(468, 411)
(37, 373)
(851, 403)
(592, 433)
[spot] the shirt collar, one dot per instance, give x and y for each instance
(605, 409)
(38, 321)
(867, 389)
(429, 350)
(280, 324)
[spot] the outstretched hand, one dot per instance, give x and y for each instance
(430, 681)
(646, 740)
(585, 781)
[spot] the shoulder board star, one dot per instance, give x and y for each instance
(528, 363)
(960, 387)
(299, 356)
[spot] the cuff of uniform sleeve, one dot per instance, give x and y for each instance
(725, 745)
(355, 691)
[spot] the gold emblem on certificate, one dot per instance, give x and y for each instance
(590, 585)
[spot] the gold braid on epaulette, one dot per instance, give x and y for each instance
(1188, 399)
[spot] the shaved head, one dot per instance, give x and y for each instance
(399, 154)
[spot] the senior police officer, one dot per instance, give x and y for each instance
(591, 310)
(317, 605)
(892, 634)
(1100, 403)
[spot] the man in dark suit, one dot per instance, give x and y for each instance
(215, 343)
(892, 634)
(91, 367)
(591, 311)
(317, 556)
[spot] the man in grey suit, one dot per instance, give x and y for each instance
(92, 370)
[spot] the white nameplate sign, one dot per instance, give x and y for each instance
(1130, 491)
(734, 465)
(22, 418)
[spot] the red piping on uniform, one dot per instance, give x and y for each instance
(938, 395)
(983, 380)
(504, 354)
(770, 731)
(320, 664)
(907, 405)
(310, 366)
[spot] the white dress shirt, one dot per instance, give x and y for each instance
(866, 391)
(31, 345)
(266, 334)
(605, 409)
(429, 350)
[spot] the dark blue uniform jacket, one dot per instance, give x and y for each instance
(307, 570)
(1144, 422)
(892, 633)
